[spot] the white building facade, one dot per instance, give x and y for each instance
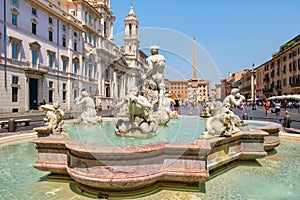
(51, 50)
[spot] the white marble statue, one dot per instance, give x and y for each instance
(54, 118)
(222, 124)
(235, 98)
(194, 96)
(222, 121)
(60, 115)
(167, 103)
(89, 115)
(153, 76)
(153, 87)
(139, 121)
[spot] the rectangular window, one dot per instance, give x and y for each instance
(16, 2)
(14, 19)
(278, 84)
(64, 28)
(15, 88)
(290, 67)
(64, 42)
(284, 82)
(15, 80)
(104, 28)
(34, 11)
(272, 73)
(14, 51)
(90, 71)
(75, 68)
(50, 96)
(90, 38)
(75, 46)
(85, 16)
(64, 96)
(14, 94)
(278, 62)
(64, 87)
(290, 80)
(75, 94)
(51, 36)
(90, 20)
(50, 84)
(50, 58)
(278, 71)
(73, 12)
(34, 57)
(33, 28)
(50, 20)
(64, 62)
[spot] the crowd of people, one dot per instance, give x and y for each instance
(274, 106)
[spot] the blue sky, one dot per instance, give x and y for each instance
(232, 34)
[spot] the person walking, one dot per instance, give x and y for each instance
(267, 107)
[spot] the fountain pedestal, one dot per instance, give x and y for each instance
(132, 170)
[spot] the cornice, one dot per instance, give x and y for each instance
(63, 18)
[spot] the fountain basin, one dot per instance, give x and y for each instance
(272, 140)
(115, 170)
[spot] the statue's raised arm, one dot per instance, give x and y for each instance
(235, 98)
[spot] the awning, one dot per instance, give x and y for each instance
(285, 97)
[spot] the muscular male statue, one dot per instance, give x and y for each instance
(154, 75)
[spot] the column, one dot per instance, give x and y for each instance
(111, 31)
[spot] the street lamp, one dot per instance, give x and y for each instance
(252, 89)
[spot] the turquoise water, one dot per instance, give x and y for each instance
(180, 130)
(273, 177)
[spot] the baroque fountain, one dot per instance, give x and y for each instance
(132, 169)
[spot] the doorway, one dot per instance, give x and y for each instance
(33, 94)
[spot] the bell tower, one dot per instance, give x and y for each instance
(131, 37)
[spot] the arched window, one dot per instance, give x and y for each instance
(130, 29)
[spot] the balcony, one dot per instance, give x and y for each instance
(106, 46)
(13, 62)
(26, 66)
(35, 69)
